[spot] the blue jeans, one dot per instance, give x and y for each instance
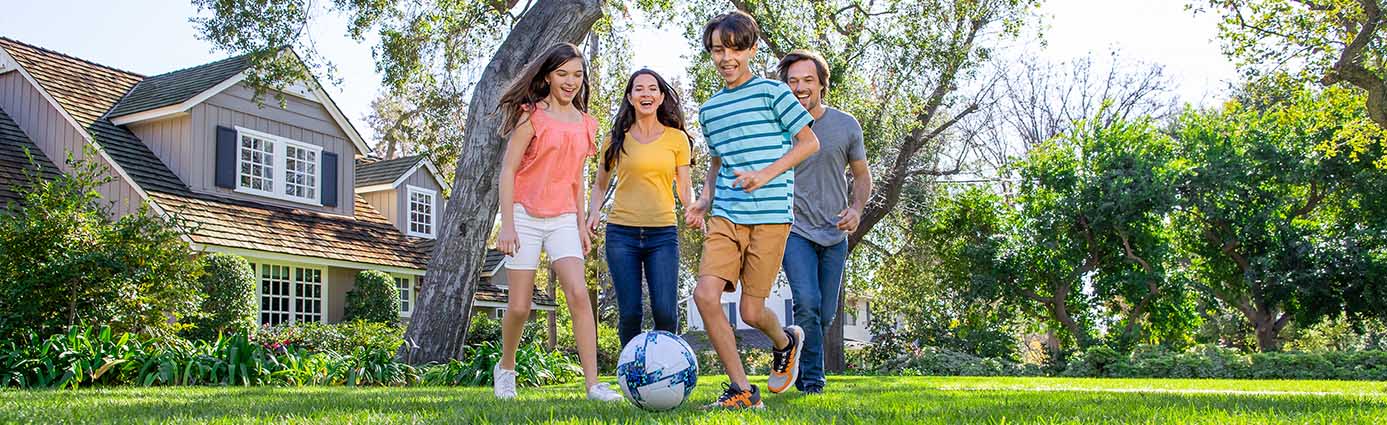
(815, 273)
(652, 252)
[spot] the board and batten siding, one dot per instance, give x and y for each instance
(50, 130)
(387, 202)
(298, 120)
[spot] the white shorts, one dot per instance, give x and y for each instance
(557, 236)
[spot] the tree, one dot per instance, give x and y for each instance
(1274, 227)
(64, 261)
(1089, 212)
(427, 43)
(1334, 42)
(421, 122)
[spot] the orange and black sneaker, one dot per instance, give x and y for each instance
(735, 398)
(785, 361)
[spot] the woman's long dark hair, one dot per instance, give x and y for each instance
(670, 113)
(530, 88)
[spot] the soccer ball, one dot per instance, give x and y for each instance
(657, 370)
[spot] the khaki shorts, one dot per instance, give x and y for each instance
(747, 253)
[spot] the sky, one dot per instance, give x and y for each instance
(152, 37)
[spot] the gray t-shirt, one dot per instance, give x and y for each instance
(821, 181)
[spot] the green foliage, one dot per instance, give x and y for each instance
(342, 338)
(1271, 226)
(374, 299)
(534, 367)
(1337, 43)
(229, 304)
(64, 261)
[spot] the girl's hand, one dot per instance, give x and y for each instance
(693, 214)
(594, 220)
(586, 237)
(506, 241)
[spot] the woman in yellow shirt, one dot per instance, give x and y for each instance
(648, 151)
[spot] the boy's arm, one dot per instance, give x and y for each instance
(693, 215)
(806, 144)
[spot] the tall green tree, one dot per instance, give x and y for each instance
(1333, 42)
(1272, 226)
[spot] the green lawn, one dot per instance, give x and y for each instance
(850, 400)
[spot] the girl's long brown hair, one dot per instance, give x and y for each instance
(670, 113)
(530, 88)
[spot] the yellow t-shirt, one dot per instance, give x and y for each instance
(645, 173)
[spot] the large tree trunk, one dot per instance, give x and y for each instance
(439, 327)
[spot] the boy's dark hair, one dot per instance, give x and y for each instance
(800, 55)
(739, 31)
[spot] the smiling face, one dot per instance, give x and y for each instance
(565, 81)
(803, 79)
(645, 95)
(734, 65)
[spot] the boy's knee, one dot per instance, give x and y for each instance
(707, 294)
(751, 312)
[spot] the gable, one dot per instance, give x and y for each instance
(176, 93)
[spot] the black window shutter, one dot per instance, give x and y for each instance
(789, 313)
(226, 157)
(329, 181)
(732, 315)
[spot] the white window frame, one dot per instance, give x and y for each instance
(409, 211)
(294, 296)
(279, 171)
(412, 295)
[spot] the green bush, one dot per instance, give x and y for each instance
(64, 261)
(228, 304)
(486, 329)
(534, 366)
(86, 356)
(341, 338)
(374, 299)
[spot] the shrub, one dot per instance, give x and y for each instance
(228, 306)
(374, 299)
(65, 261)
(534, 366)
(340, 338)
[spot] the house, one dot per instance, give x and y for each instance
(781, 303)
(291, 187)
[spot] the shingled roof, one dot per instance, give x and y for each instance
(14, 164)
(370, 173)
(178, 86)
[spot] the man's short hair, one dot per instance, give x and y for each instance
(801, 55)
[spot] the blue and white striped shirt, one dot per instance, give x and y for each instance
(750, 127)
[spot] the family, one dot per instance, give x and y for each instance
(776, 196)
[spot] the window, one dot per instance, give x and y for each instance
(290, 294)
(276, 167)
(300, 172)
(406, 287)
(789, 312)
(421, 211)
(731, 313)
(850, 318)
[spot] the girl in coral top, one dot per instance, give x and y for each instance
(551, 136)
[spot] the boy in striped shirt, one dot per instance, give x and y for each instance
(757, 132)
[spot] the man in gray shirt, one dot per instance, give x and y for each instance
(817, 249)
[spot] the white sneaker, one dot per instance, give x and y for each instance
(603, 392)
(503, 382)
